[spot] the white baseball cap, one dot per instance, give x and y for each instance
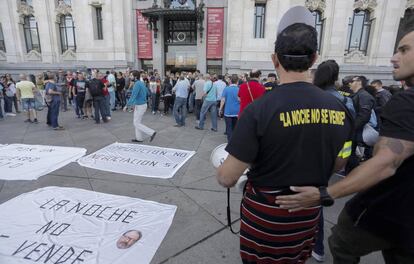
(295, 15)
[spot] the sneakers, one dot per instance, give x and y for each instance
(136, 141)
(213, 129)
(199, 128)
(35, 121)
(153, 112)
(177, 125)
(153, 136)
(28, 121)
(317, 257)
(59, 128)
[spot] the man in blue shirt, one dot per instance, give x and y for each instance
(231, 104)
(139, 101)
(210, 102)
(181, 90)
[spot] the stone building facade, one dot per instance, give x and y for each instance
(210, 35)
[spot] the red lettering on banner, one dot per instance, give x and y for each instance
(144, 37)
(215, 32)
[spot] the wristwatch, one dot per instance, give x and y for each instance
(326, 199)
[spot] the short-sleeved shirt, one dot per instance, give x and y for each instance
(292, 136)
(26, 89)
(53, 87)
(80, 87)
(211, 91)
(256, 90)
(386, 208)
(220, 85)
(199, 89)
(232, 104)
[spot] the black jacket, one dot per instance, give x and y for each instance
(382, 98)
(363, 103)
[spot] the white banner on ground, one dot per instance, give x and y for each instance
(138, 160)
(29, 162)
(56, 225)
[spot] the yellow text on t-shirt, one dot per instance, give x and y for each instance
(312, 116)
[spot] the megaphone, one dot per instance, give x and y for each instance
(218, 156)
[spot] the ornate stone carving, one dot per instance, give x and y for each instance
(316, 5)
(356, 57)
(3, 56)
(96, 3)
(63, 9)
(25, 9)
(33, 55)
(69, 55)
(368, 5)
(410, 4)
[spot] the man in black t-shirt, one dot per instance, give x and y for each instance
(271, 82)
(380, 216)
(295, 135)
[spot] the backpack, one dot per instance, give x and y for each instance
(346, 101)
(95, 87)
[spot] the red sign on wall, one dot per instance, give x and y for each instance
(144, 37)
(215, 32)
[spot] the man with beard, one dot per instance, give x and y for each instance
(379, 216)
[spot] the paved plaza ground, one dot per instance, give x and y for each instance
(198, 233)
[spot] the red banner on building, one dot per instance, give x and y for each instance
(215, 32)
(144, 37)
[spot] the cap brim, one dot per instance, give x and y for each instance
(295, 15)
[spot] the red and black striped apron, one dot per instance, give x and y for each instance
(269, 234)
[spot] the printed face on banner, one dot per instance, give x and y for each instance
(29, 162)
(66, 225)
(138, 160)
(128, 239)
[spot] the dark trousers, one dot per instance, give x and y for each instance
(64, 100)
(230, 125)
(348, 243)
(198, 104)
(319, 247)
(16, 104)
(54, 112)
(100, 105)
(1, 109)
(167, 104)
(80, 99)
(8, 104)
(120, 96)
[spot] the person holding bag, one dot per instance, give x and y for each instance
(250, 90)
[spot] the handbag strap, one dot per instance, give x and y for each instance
(250, 92)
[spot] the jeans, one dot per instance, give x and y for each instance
(1, 109)
(155, 101)
(190, 103)
(319, 247)
(64, 102)
(139, 111)
(99, 103)
(107, 105)
(8, 104)
(112, 99)
(230, 125)
(180, 110)
(213, 113)
(54, 112)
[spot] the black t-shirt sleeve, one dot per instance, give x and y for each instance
(398, 117)
(244, 143)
